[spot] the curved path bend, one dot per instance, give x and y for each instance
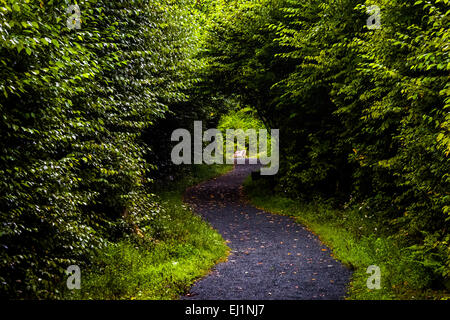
(272, 257)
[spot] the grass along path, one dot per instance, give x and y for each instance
(183, 248)
(358, 241)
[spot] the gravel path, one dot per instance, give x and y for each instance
(272, 257)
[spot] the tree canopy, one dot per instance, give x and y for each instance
(87, 113)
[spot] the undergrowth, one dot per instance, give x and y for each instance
(358, 241)
(181, 248)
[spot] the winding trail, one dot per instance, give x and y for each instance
(272, 257)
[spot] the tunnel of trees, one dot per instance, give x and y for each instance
(87, 114)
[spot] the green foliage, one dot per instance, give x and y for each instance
(355, 237)
(240, 119)
(363, 114)
(73, 106)
(182, 248)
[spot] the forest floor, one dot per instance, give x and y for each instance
(272, 256)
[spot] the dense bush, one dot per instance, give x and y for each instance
(363, 114)
(185, 248)
(74, 103)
